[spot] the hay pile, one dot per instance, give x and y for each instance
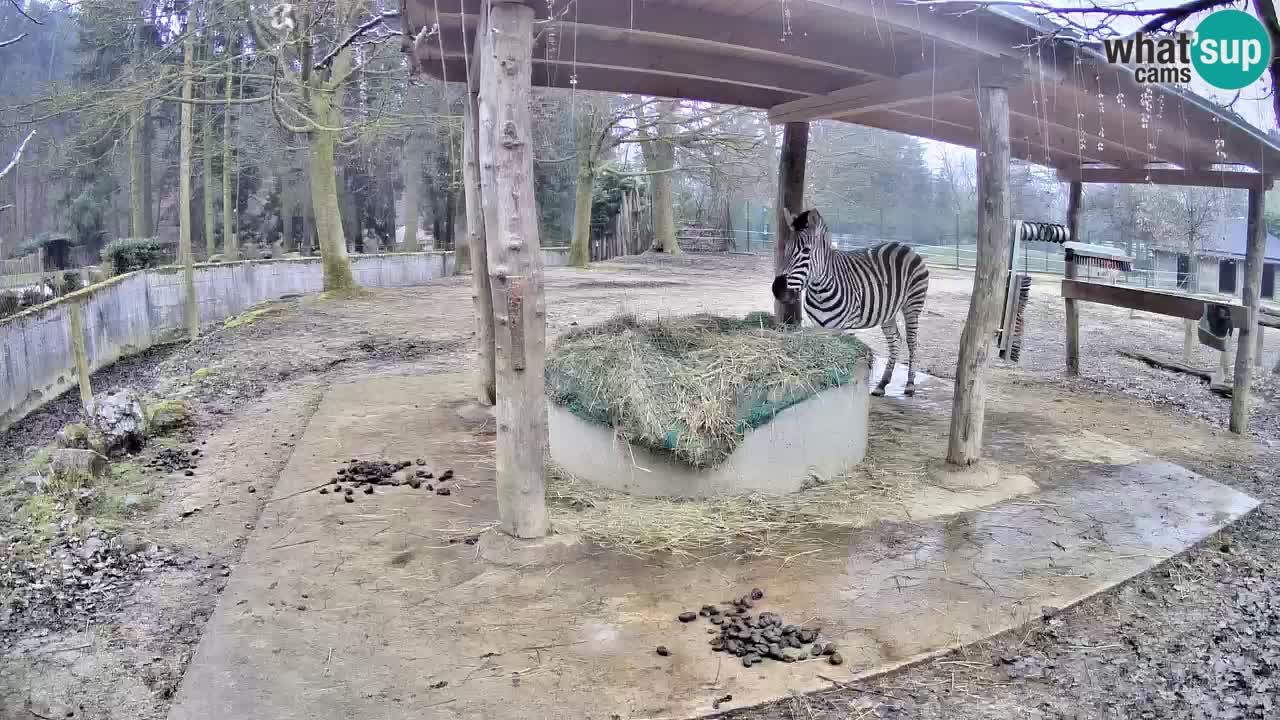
(694, 386)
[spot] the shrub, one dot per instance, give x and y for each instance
(10, 303)
(71, 281)
(129, 254)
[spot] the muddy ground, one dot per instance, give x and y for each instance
(1200, 637)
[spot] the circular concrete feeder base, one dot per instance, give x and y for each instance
(819, 437)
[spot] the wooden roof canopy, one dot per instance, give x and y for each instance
(909, 69)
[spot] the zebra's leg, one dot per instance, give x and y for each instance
(911, 319)
(890, 329)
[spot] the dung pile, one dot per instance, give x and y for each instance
(694, 386)
(363, 475)
(755, 638)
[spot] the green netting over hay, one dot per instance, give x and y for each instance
(693, 386)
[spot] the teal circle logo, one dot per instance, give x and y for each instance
(1232, 49)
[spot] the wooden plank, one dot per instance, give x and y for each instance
(1169, 176)
(1153, 301)
(791, 170)
(1250, 295)
(893, 92)
(515, 270)
(964, 445)
(1072, 310)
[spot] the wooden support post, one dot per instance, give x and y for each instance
(1251, 298)
(76, 337)
(1188, 340)
(1259, 347)
(481, 295)
(791, 168)
(1072, 307)
(969, 404)
(515, 268)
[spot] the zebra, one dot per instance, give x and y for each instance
(855, 290)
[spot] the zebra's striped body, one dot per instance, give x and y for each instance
(859, 289)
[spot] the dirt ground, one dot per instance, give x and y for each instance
(1199, 637)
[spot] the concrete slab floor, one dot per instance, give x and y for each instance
(367, 610)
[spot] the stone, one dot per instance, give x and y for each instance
(688, 617)
(117, 422)
(167, 416)
(836, 659)
(78, 465)
(663, 651)
(74, 436)
(757, 594)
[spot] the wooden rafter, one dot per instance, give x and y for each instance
(893, 92)
(1169, 176)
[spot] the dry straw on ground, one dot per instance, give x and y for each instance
(693, 386)
(753, 524)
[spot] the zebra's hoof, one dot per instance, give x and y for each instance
(878, 392)
(909, 390)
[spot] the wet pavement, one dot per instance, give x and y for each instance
(382, 608)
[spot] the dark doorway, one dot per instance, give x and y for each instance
(1227, 277)
(1184, 271)
(1268, 281)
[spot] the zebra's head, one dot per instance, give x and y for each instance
(807, 230)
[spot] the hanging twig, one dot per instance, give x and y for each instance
(23, 13)
(6, 43)
(361, 30)
(17, 156)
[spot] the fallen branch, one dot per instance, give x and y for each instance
(17, 156)
(6, 43)
(1168, 365)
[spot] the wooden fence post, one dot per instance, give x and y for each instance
(1069, 271)
(515, 268)
(791, 168)
(1250, 296)
(76, 332)
(481, 295)
(969, 404)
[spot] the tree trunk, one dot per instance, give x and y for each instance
(137, 196)
(515, 266)
(791, 169)
(411, 172)
(969, 402)
(580, 246)
(324, 181)
(149, 211)
(1251, 298)
(189, 310)
(206, 163)
(481, 294)
(230, 243)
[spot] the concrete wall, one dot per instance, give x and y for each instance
(132, 312)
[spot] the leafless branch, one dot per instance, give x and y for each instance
(17, 156)
(355, 35)
(5, 207)
(6, 43)
(23, 13)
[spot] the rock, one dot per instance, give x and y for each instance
(400, 477)
(663, 651)
(368, 489)
(74, 436)
(117, 422)
(688, 617)
(80, 466)
(445, 491)
(446, 475)
(348, 498)
(757, 594)
(836, 659)
(830, 649)
(166, 416)
(33, 484)
(188, 510)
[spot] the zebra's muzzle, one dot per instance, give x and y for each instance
(782, 292)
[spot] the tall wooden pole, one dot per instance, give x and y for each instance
(76, 331)
(965, 442)
(1073, 309)
(190, 311)
(515, 268)
(481, 294)
(791, 167)
(1251, 298)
